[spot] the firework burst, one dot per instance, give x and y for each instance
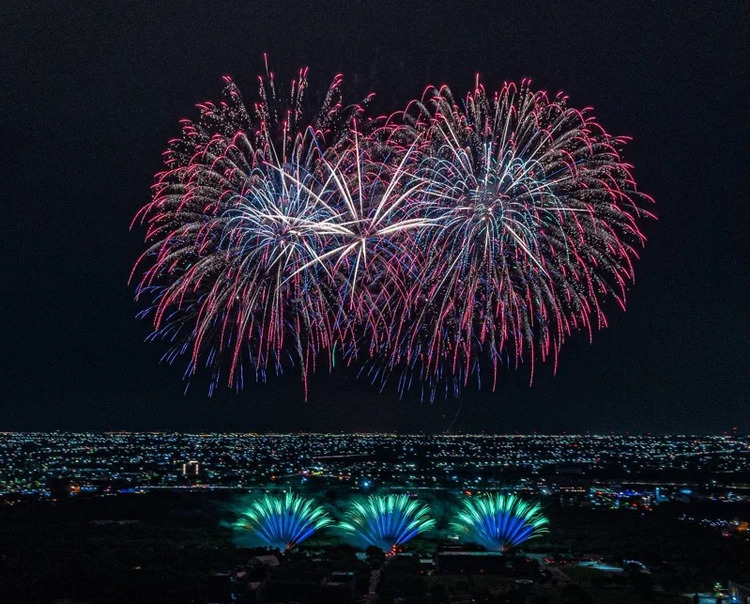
(235, 231)
(437, 244)
(386, 521)
(500, 522)
(283, 521)
(532, 222)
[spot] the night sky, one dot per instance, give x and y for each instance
(90, 92)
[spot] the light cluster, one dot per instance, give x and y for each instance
(426, 244)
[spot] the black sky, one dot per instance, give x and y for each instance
(91, 91)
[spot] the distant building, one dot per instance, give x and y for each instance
(471, 563)
(267, 560)
(739, 592)
(191, 469)
(338, 588)
(470, 560)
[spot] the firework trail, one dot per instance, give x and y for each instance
(386, 521)
(283, 521)
(500, 522)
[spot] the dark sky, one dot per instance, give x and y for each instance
(91, 91)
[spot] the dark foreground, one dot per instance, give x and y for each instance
(174, 548)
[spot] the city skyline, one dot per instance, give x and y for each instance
(660, 515)
(368, 462)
